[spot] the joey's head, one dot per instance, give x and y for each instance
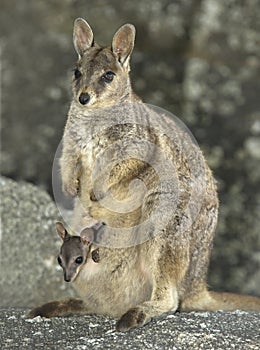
(74, 251)
(101, 77)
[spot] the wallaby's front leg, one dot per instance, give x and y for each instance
(164, 298)
(71, 168)
(59, 307)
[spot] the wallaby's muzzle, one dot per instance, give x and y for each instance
(67, 279)
(84, 98)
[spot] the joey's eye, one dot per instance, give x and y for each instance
(59, 260)
(108, 77)
(79, 260)
(77, 73)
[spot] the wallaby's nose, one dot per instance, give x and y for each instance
(67, 279)
(84, 98)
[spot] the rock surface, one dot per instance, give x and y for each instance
(28, 246)
(219, 330)
(222, 109)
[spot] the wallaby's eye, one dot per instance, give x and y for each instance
(79, 260)
(108, 77)
(77, 73)
(59, 260)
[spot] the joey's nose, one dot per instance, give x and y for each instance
(84, 98)
(67, 279)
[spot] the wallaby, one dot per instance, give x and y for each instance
(166, 272)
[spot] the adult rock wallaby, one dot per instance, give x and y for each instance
(167, 270)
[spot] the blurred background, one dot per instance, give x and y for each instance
(198, 59)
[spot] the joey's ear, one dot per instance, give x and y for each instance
(123, 43)
(87, 236)
(62, 232)
(83, 37)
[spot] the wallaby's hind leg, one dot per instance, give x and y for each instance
(58, 307)
(164, 298)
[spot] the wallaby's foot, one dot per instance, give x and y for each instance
(71, 187)
(47, 310)
(162, 301)
(57, 308)
(135, 317)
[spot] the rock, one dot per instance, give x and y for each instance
(28, 246)
(222, 109)
(219, 330)
(38, 73)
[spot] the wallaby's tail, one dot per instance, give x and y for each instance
(230, 301)
(212, 301)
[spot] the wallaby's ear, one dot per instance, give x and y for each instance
(83, 37)
(87, 236)
(62, 232)
(123, 43)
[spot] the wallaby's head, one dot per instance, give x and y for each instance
(74, 250)
(101, 76)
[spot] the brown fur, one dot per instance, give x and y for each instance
(168, 271)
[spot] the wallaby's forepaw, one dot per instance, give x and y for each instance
(71, 188)
(92, 196)
(134, 317)
(96, 195)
